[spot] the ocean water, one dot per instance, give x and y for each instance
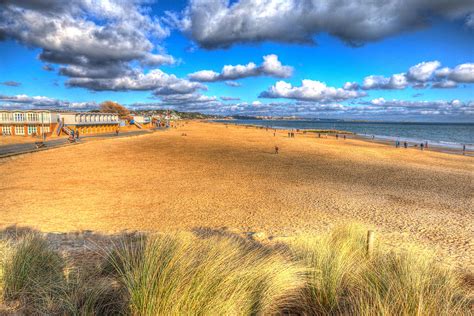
(450, 135)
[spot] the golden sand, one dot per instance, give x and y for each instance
(220, 176)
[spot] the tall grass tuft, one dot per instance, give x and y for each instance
(182, 274)
(335, 262)
(409, 282)
(342, 279)
(33, 275)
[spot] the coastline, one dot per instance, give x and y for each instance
(453, 148)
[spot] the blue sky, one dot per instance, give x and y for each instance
(152, 55)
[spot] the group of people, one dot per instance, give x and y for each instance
(405, 145)
(291, 134)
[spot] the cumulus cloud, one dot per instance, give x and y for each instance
(23, 101)
(219, 24)
(396, 81)
(421, 76)
(271, 67)
(463, 73)
(156, 80)
(423, 71)
(11, 83)
(310, 90)
(89, 39)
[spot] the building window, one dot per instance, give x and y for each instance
(45, 129)
(19, 130)
(6, 130)
(31, 129)
(19, 117)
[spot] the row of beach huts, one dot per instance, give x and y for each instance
(50, 123)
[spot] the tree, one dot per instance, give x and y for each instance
(114, 107)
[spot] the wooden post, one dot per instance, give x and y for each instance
(370, 242)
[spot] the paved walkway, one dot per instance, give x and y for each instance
(13, 149)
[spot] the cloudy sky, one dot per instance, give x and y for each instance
(410, 60)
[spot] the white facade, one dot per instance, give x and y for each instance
(27, 117)
(89, 118)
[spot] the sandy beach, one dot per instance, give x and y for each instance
(228, 176)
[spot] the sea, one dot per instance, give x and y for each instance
(447, 135)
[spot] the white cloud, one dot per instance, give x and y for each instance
(423, 71)
(421, 76)
(271, 67)
(309, 90)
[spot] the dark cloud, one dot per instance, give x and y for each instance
(219, 24)
(156, 80)
(11, 83)
(89, 39)
(271, 67)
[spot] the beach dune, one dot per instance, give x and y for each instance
(228, 176)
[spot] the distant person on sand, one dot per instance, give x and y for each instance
(405, 144)
(77, 134)
(421, 146)
(344, 136)
(116, 132)
(337, 136)
(319, 135)
(464, 149)
(276, 150)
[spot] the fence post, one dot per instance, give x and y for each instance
(370, 242)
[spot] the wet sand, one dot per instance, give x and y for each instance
(228, 176)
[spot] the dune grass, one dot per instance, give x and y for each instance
(343, 279)
(182, 273)
(33, 274)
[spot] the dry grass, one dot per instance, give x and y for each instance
(182, 273)
(392, 281)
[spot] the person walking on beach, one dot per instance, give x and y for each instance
(116, 132)
(421, 146)
(77, 134)
(337, 136)
(276, 150)
(405, 144)
(464, 149)
(319, 135)
(344, 136)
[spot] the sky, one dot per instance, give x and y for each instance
(405, 60)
